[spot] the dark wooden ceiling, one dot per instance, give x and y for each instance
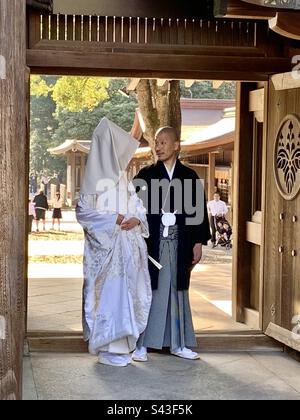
(204, 9)
(40, 4)
(135, 8)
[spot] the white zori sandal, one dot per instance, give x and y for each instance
(186, 354)
(140, 355)
(110, 359)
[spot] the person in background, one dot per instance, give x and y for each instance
(216, 207)
(57, 205)
(41, 206)
(31, 215)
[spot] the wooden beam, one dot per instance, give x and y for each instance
(165, 49)
(211, 175)
(149, 74)
(286, 24)
(256, 104)
(215, 341)
(238, 9)
(13, 190)
(189, 83)
(256, 100)
(161, 82)
(252, 318)
(148, 63)
(284, 336)
(137, 8)
(217, 83)
(133, 84)
(253, 234)
(290, 80)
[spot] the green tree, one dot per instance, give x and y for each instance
(81, 124)
(80, 93)
(53, 119)
(205, 90)
(42, 127)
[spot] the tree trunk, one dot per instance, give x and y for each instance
(148, 110)
(159, 106)
(175, 118)
(13, 195)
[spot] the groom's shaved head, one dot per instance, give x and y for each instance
(169, 131)
(167, 144)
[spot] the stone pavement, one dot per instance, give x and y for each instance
(217, 376)
(55, 297)
(55, 290)
(55, 304)
(38, 248)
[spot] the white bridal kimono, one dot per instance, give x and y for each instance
(117, 288)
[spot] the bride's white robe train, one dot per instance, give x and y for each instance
(117, 288)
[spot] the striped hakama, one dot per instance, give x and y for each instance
(170, 321)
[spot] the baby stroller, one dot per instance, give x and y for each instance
(223, 232)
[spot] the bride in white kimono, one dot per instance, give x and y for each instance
(117, 289)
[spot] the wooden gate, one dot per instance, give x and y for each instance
(282, 223)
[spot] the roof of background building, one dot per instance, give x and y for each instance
(205, 123)
(71, 146)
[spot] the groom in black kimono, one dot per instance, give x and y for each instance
(178, 224)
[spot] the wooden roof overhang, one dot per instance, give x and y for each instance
(283, 16)
(216, 145)
(178, 46)
(71, 146)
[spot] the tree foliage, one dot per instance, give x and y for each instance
(71, 107)
(205, 90)
(42, 126)
(78, 93)
(52, 120)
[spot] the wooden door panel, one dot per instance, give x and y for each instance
(282, 228)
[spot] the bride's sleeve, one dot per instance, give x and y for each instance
(96, 224)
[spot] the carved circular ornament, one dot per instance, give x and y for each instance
(287, 157)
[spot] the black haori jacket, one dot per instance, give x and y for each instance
(188, 235)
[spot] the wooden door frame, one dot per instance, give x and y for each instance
(242, 212)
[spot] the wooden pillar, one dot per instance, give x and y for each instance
(13, 195)
(69, 178)
(211, 175)
(73, 177)
(82, 169)
(242, 200)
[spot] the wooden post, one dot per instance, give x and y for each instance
(69, 178)
(73, 177)
(13, 190)
(243, 152)
(211, 176)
